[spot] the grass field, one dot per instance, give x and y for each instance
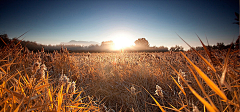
(188, 81)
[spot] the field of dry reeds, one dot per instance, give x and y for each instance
(192, 81)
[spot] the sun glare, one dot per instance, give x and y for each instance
(122, 40)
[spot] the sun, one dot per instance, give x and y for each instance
(121, 43)
(122, 40)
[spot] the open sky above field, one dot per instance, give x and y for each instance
(159, 21)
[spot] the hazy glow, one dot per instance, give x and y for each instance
(159, 21)
(122, 40)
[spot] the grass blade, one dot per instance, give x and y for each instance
(222, 79)
(205, 48)
(60, 98)
(202, 89)
(17, 109)
(3, 41)
(210, 83)
(42, 86)
(209, 107)
(200, 56)
(179, 86)
(182, 107)
(50, 97)
(156, 102)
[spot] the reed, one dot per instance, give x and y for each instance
(143, 82)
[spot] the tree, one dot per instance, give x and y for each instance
(220, 46)
(237, 18)
(107, 44)
(199, 48)
(142, 43)
(176, 48)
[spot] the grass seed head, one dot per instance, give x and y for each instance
(73, 87)
(159, 91)
(36, 66)
(41, 72)
(195, 108)
(133, 90)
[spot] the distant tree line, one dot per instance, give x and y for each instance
(176, 48)
(141, 45)
(220, 46)
(106, 46)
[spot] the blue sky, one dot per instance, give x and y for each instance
(53, 21)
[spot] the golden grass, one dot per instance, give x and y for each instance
(210, 83)
(118, 81)
(156, 102)
(25, 89)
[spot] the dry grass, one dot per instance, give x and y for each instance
(33, 82)
(141, 82)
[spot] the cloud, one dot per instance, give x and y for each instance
(83, 43)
